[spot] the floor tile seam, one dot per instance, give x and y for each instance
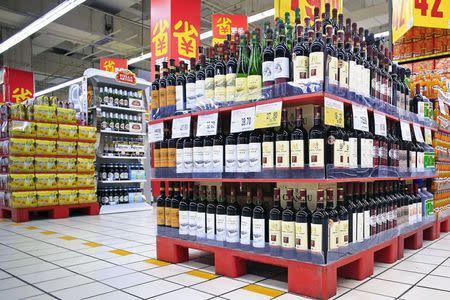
(115, 290)
(192, 287)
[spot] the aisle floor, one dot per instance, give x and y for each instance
(114, 257)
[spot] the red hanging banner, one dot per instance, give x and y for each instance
(227, 24)
(113, 64)
(18, 85)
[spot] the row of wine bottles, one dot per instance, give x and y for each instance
(360, 213)
(293, 147)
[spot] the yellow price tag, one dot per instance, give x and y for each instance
(268, 115)
(432, 13)
(334, 113)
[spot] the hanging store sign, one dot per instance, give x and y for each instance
(126, 76)
(222, 25)
(18, 85)
(306, 7)
(113, 64)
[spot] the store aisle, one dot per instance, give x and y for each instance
(113, 257)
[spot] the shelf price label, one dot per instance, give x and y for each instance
(428, 138)
(442, 106)
(156, 132)
(268, 115)
(360, 117)
(418, 133)
(380, 124)
(181, 127)
(242, 119)
(207, 124)
(406, 131)
(334, 112)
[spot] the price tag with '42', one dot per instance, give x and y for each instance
(207, 124)
(242, 119)
(156, 132)
(181, 127)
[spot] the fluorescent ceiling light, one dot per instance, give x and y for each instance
(261, 15)
(206, 35)
(59, 86)
(381, 34)
(139, 58)
(40, 23)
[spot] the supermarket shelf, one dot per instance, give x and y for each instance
(123, 181)
(121, 157)
(122, 132)
(122, 108)
(269, 180)
(419, 58)
(53, 189)
(127, 207)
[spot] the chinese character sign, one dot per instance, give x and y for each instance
(160, 38)
(186, 35)
(113, 64)
(306, 7)
(18, 85)
(222, 25)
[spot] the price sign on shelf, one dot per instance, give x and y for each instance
(242, 119)
(380, 124)
(418, 133)
(442, 107)
(268, 115)
(334, 113)
(207, 124)
(360, 118)
(156, 132)
(428, 138)
(181, 127)
(406, 131)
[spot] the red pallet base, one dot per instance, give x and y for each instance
(54, 212)
(318, 281)
(414, 239)
(443, 225)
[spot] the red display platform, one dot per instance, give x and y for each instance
(443, 224)
(414, 239)
(313, 280)
(54, 212)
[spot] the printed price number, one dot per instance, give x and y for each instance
(268, 115)
(156, 132)
(334, 113)
(242, 119)
(360, 118)
(425, 5)
(380, 124)
(406, 131)
(181, 127)
(431, 13)
(207, 124)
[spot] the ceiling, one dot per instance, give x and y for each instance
(119, 28)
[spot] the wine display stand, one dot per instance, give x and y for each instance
(53, 212)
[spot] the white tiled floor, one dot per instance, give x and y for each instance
(75, 259)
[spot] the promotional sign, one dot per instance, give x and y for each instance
(18, 85)
(222, 25)
(402, 18)
(242, 119)
(175, 30)
(126, 76)
(181, 127)
(268, 115)
(155, 132)
(306, 7)
(113, 64)
(207, 124)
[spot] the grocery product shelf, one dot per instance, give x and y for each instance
(126, 109)
(127, 207)
(290, 180)
(123, 181)
(121, 157)
(123, 132)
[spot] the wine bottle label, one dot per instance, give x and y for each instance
(288, 234)
(420, 163)
(200, 92)
(367, 224)
(366, 85)
(268, 71)
(179, 97)
(346, 154)
(259, 233)
(360, 80)
(242, 158)
(160, 216)
(232, 229)
(209, 89)
(403, 160)
(354, 226)
(219, 88)
(164, 157)
(275, 232)
(179, 160)
(282, 154)
(188, 159)
(230, 87)
(167, 216)
(343, 74)
(254, 87)
(245, 230)
(210, 226)
(367, 153)
(267, 155)
(191, 96)
(162, 97)
(217, 158)
(333, 234)
(301, 236)
(316, 66)
(175, 221)
(353, 77)
(171, 95)
(297, 154)
(412, 159)
(300, 65)
(360, 227)
(230, 158)
(419, 212)
(316, 237)
(241, 89)
(254, 157)
(316, 153)
(339, 153)
(184, 222)
(201, 223)
(157, 158)
(281, 67)
(198, 158)
(343, 233)
(220, 227)
(333, 70)
(172, 158)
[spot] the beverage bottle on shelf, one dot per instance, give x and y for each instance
(200, 79)
(359, 213)
(231, 153)
(343, 58)
(115, 97)
(160, 205)
(343, 216)
(282, 57)
(335, 145)
(188, 153)
(197, 153)
(231, 68)
(171, 88)
(180, 89)
(168, 207)
(254, 151)
(417, 103)
(282, 144)
(232, 220)
(254, 79)
(201, 213)
(220, 69)
(317, 135)
(208, 154)
(179, 160)
(268, 57)
(268, 149)
(373, 202)
(175, 206)
(317, 55)
(218, 150)
(298, 142)
(333, 222)
(183, 215)
(288, 222)
(242, 71)
(300, 56)
(191, 96)
(351, 141)
(242, 153)
(259, 221)
(352, 213)
(303, 223)
(331, 66)
(209, 77)
(392, 204)
(387, 67)
(246, 218)
(211, 214)
(366, 205)
(221, 213)
(193, 212)
(275, 220)
(319, 226)
(366, 70)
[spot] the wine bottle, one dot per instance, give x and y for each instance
(191, 96)
(282, 57)
(282, 144)
(184, 211)
(268, 149)
(200, 79)
(254, 79)
(179, 152)
(209, 78)
(208, 154)
(211, 214)
(197, 154)
(242, 71)
(317, 136)
(162, 90)
(254, 152)
(268, 58)
(201, 213)
(160, 205)
(230, 77)
(259, 221)
(331, 66)
(220, 77)
(333, 223)
(171, 88)
(175, 205)
(155, 95)
(303, 223)
(242, 152)
(288, 222)
(231, 153)
(275, 220)
(300, 57)
(342, 213)
(221, 212)
(343, 58)
(232, 220)
(299, 142)
(246, 219)
(317, 56)
(180, 89)
(193, 212)
(366, 205)
(319, 226)
(217, 151)
(352, 213)
(168, 207)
